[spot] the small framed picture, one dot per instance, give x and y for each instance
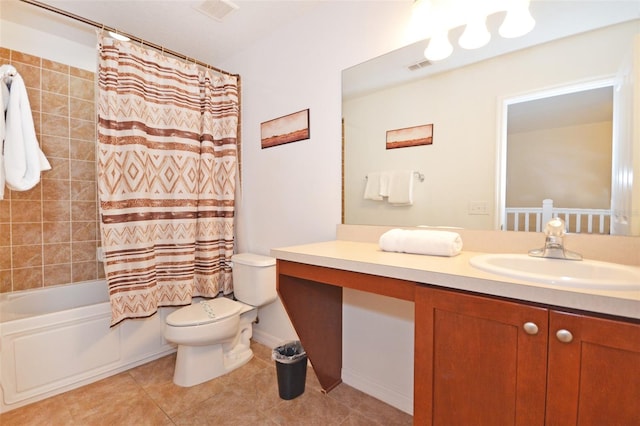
(289, 128)
(410, 136)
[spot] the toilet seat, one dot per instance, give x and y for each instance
(205, 312)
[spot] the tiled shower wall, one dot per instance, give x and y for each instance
(49, 234)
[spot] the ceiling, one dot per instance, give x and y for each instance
(176, 25)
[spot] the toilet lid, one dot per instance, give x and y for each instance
(204, 312)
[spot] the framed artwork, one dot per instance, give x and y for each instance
(410, 136)
(289, 128)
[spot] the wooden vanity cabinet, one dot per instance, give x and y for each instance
(486, 361)
(594, 371)
(475, 364)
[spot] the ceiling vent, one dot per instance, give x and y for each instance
(419, 65)
(216, 9)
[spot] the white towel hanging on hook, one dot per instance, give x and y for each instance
(22, 158)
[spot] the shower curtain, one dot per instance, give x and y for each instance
(167, 158)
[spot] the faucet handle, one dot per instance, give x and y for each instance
(555, 228)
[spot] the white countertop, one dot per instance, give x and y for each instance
(457, 273)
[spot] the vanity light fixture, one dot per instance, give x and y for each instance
(440, 16)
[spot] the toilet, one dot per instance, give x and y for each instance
(213, 335)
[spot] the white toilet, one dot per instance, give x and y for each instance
(213, 335)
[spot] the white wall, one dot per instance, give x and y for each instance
(27, 40)
(292, 193)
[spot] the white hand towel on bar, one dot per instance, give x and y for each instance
(23, 160)
(385, 177)
(436, 243)
(372, 187)
(401, 187)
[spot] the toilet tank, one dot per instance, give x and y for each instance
(254, 278)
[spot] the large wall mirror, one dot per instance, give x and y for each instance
(514, 123)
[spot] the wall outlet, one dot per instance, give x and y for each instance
(479, 207)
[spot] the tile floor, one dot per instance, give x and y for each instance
(146, 395)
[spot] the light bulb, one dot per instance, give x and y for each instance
(475, 34)
(439, 47)
(118, 36)
(518, 21)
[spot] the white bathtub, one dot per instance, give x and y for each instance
(58, 338)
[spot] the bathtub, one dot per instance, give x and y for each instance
(58, 338)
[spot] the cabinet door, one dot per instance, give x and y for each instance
(594, 371)
(476, 363)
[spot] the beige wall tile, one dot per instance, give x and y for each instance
(83, 210)
(56, 189)
(82, 109)
(83, 170)
(56, 82)
(30, 75)
(5, 210)
(57, 253)
(82, 129)
(57, 232)
(79, 72)
(57, 274)
(83, 190)
(57, 211)
(5, 281)
(55, 66)
(55, 146)
(26, 233)
(25, 58)
(59, 168)
(55, 125)
(83, 251)
(27, 278)
(27, 256)
(83, 150)
(26, 211)
(84, 231)
(56, 104)
(82, 88)
(5, 257)
(82, 271)
(5, 234)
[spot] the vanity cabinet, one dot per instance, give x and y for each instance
(486, 361)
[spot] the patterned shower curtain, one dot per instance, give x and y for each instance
(167, 154)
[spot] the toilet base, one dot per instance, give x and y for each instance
(198, 364)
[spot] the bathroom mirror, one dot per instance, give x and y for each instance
(463, 97)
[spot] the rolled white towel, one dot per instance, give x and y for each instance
(436, 243)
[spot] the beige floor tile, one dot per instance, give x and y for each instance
(49, 412)
(101, 397)
(146, 395)
(311, 408)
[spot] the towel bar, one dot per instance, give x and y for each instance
(419, 175)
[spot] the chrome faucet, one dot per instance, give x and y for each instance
(554, 242)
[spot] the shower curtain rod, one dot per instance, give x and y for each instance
(133, 38)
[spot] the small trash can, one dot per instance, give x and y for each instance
(291, 367)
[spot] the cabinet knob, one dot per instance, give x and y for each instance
(564, 336)
(530, 328)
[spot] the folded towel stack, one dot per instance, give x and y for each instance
(436, 243)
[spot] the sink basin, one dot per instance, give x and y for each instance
(579, 274)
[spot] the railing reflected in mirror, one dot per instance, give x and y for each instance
(463, 183)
